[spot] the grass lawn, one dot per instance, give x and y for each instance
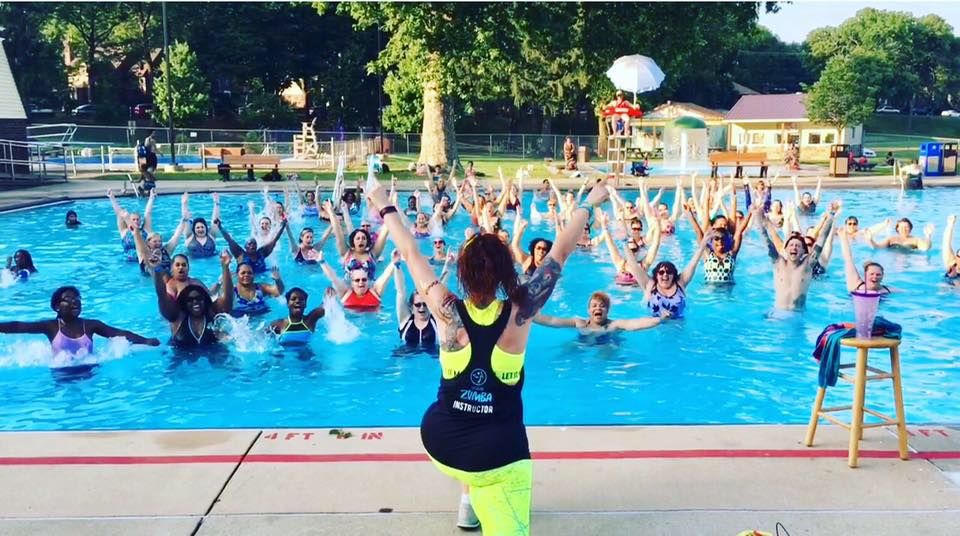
(484, 164)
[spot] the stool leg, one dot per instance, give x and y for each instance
(856, 424)
(898, 401)
(814, 417)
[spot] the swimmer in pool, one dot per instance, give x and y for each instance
(20, 264)
(598, 320)
(357, 293)
(200, 242)
(872, 280)
(806, 203)
(305, 250)
(72, 221)
(68, 333)
(250, 253)
(250, 297)
(793, 264)
(143, 225)
(298, 326)
(180, 275)
(192, 313)
(903, 239)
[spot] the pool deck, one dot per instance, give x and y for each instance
(698, 480)
(87, 188)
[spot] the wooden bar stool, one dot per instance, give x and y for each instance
(859, 381)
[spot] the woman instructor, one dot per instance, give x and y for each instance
(474, 432)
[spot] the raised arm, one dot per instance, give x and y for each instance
(335, 280)
(267, 249)
(691, 268)
(148, 211)
(636, 324)
(216, 214)
(341, 242)
(796, 191)
(654, 237)
(611, 246)
(171, 244)
(235, 249)
(925, 243)
(120, 213)
(849, 266)
(224, 302)
(381, 242)
(519, 256)
(403, 308)
(277, 288)
(816, 195)
(166, 302)
(947, 251)
(822, 239)
(769, 233)
(294, 244)
(638, 272)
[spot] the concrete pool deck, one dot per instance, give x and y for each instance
(77, 189)
(698, 480)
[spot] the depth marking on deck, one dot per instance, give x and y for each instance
(421, 457)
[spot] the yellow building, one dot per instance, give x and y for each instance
(771, 123)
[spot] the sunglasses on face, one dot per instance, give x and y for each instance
(637, 229)
(852, 223)
(420, 305)
(663, 271)
(360, 280)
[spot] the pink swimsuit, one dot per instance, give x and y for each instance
(70, 345)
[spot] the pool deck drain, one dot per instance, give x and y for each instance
(700, 480)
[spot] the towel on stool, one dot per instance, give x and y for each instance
(827, 350)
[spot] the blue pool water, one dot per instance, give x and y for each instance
(728, 361)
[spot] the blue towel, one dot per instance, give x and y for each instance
(827, 350)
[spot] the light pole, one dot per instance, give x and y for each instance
(379, 97)
(166, 76)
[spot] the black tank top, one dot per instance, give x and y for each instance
(476, 424)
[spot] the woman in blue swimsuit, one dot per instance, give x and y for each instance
(143, 225)
(249, 298)
(663, 290)
(250, 254)
(200, 242)
(297, 328)
(191, 314)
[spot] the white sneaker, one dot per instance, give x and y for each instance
(466, 518)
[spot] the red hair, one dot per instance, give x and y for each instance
(485, 267)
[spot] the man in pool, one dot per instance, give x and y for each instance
(598, 321)
(793, 263)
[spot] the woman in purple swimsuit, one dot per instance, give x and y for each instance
(68, 333)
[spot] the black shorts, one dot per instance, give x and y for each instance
(151, 160)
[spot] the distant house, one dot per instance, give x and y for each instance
(13, 118)
(771, 123)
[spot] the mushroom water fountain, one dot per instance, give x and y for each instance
(685, 144)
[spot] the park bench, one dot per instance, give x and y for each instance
(218, 152)
(251, 161)
(738, 160)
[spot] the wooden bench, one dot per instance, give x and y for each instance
(738, 160)
(218, 152)
(252, 160)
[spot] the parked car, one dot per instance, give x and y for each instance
(869, 153)
(141, 111)
(949, 113)
(888, 110)
(34, 110)
(85, 111)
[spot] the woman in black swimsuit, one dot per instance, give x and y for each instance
(191, 313)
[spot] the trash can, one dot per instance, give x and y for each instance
(839, 160)
(949, 159)
(931, 158)
(583, 154)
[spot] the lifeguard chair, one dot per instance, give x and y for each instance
(618, 142)
(305, 146)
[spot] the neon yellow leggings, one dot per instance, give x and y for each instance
(500, 497)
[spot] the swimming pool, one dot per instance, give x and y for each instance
(726, 362)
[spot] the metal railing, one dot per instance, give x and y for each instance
(469, 145)
(32, 161)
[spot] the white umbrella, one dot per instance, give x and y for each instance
(635, 73)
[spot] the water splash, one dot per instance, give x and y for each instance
(7, 279)
(246, 335)
(535, 216)
(36, 353)
(339, 329)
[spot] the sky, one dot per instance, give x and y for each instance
(794, 21)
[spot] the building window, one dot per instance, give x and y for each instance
(793, 139)
(828, 137)
(813, 139)
(779, 139)
(756, 138)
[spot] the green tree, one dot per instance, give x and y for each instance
(265, 108)
(918, 56)
(89, 29)
(36, 59)
(188, 86)
(846, 93)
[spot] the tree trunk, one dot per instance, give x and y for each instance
(601, 135)
(437, 138)
(546, 139)
(91, 78)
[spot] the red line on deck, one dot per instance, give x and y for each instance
(420, 457)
